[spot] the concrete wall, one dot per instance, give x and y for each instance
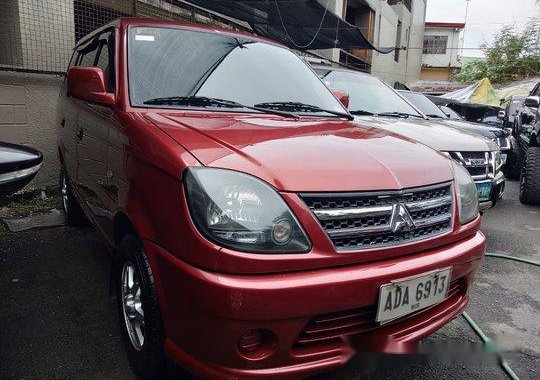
(28, 116)
(407, 68)
(450, 59)
(416, 40)
(43, 23)
(383, 65)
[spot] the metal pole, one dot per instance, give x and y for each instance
(465, 28)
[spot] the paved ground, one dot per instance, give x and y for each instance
(57, 320)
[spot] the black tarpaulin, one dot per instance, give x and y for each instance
(299, 24)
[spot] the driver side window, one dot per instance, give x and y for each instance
(99, 52)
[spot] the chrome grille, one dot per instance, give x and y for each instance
(480, 165)
(356, 221)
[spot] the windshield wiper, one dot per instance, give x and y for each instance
(361, 112)
(195, 101)
(434, 116)
(203, 101)
(398, 114)
(298, 107)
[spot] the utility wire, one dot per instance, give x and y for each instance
(316, 33)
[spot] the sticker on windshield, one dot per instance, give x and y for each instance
(142, 37)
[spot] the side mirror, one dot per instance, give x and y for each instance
(18, 166)
(342, 96)
(532, 101)
(88, 83)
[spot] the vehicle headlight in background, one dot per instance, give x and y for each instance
(497, 160)
(466, 194)
(503, 142)
(241, 212)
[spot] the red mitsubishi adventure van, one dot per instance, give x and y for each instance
(256, 232)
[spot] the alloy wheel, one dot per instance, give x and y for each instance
(132, 305)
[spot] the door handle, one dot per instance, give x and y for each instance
(80, 134)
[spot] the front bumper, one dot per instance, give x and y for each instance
(497, 190)
(316, 319)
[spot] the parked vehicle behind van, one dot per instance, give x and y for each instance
(375, 103)
(527, 134)
(256, 231)
(499, 136)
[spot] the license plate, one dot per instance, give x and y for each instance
(406, 296)
(484, 191)
(503, 158)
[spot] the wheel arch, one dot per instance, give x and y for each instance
(123, 226)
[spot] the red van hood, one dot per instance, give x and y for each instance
(305, 155)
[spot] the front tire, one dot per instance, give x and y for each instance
(529, 188)
(138, 309)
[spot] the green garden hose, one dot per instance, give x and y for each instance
(490, 346)
(488, 342)
(520, 259)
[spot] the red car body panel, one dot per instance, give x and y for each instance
(230, 305)
(289, 154)
(209, 295)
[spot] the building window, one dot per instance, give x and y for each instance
(435, 44)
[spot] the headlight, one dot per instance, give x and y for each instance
(498, 160)
(241, 212)
(466, 194)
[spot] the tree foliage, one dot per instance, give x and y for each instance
(513, 55)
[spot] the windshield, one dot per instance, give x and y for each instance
(166, 62)
(423, 103)
(366, 93)
(451, 113)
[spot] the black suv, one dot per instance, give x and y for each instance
(526, 131)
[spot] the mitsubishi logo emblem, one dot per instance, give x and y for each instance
(401, 219)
